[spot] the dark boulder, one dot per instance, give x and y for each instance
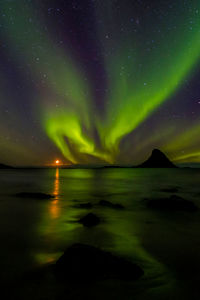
(89, 220)
(110, 204)
(84, 264)
(173, 203)
(84, 205)
(157, 160)
(34, 195)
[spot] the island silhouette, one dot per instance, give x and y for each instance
(3, 166)
(157, 159)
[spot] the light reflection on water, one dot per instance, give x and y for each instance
(54, 205)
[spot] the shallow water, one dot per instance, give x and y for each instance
(35, 232)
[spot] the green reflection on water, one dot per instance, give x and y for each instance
(119, 230)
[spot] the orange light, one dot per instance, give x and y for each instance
(57, 161)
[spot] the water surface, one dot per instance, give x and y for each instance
(35, 232)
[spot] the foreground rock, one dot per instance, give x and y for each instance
(84, 263)
(173, 203)
(157, 160)
(89, 220)
(34, 195)
(84, 205)
(110, 204)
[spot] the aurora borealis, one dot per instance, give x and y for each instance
(99, 81)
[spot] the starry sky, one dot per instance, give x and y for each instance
(97, 82)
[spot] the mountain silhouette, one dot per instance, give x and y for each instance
(157, 160)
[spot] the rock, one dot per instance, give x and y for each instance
(157, 160)
(170, 190)
(110, 204)
(84, 263)
(34, 195)
(173, 203)
(89, 220)
(84, 205)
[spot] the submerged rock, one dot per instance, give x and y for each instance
(89, 220)
(157, 160)
(84, 205)
(34, 195)
(173, 203)
(170, 190)
(84, 263)
(110, 204)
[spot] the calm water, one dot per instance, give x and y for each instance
(35, 232)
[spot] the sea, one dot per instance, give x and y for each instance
(34, 233)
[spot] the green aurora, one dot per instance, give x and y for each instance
(143, 70)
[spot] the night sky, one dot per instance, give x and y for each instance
(95, 81)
